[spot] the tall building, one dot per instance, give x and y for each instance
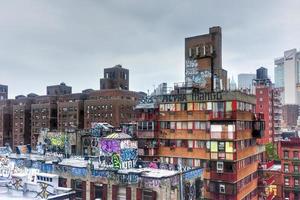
(60, 89)
(70, 112)
(115, 78)
(218, 131)
(43, 116)
(245, 81)
(3, 92)
(21, 121)
(279, 76)
(203, 61)
(290, 113)
(287, 75)
(232, 84)
(265, 102)
(5, 122)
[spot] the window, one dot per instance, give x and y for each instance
(286, 168)
(286, 154)
(190, 106)
(296, 155)
(296, 181)
(296, 168)
(286, 181)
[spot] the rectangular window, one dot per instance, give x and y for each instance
(286, 181)
(184, 125)
(229, 147)
(162, 107)
(172, 125)
(228, 106)
(286, 168)
(221, 146)
(296, 181)
(178, 108)
(190, 106)
(214, 146)
(296, 155)
(190, 144)
(286, 154)
(178, 125)
(296, 168)
(196, 106)
(190, 125)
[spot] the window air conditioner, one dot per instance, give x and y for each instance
(220, 167)
(222, 188)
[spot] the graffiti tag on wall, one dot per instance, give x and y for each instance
(110, 146)
(116, 161)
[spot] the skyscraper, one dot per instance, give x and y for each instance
(245, 81)
(287, 74)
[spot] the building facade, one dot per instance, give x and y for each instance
(21, 121)
(43, 116)
(3, 92)
(115, 78)
(203, 61)
(113, 106)
(5, 123)
(70, 112)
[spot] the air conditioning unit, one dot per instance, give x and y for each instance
(222, 189)
(220, 167)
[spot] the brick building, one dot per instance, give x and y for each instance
(115, 78)
(21, 121)
(203, 61)
(5, 122)
(3, 92)
(60, 89)
(43, 116)
(216, 131)
(110, 105)
(70, 112)
(290, 164)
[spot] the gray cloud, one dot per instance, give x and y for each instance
(46, 42)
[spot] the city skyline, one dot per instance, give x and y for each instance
(50, 43)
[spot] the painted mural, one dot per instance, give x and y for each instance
(118, 154)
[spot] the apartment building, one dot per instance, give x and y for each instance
(290, 164)
(5, 122)
(110, 105)
(70, 112)
(43, 116)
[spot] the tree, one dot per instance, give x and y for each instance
(271, 152)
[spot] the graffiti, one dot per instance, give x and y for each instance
(110, 146)
(151, 183)
(78, 172)
(44, 194)
(128, 144)
(99, 173)
(192, 174)
(129, 154)
(36, 165)
(189, 191)
(174, 180)
(17, 184)
(128, 178)
(5, 150)
(116, 161)
(97, 129)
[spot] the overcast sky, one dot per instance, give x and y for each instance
(44, 42)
